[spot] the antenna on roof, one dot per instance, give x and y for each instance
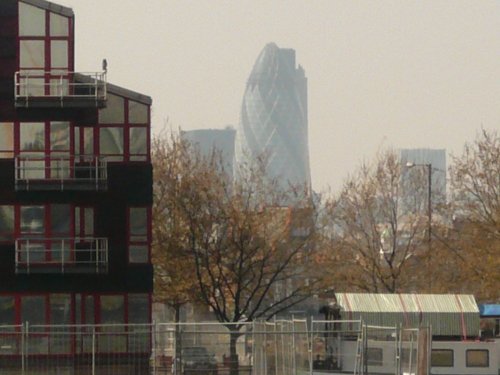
(104, 65)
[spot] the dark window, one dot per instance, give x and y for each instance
(374, 356)
(477, 358)
(6, 223)
(442, 358)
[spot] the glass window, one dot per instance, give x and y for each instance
(138, 143)
(6, 223)
(112, 310)
(88, 141)
(32, 54)
(114, 113)
(33, 136)
(6, 140)
(33, 309)
(60, 218)
(138, 224)
(59, 54)
(59, 25)
(89, 310)
(59, 136)
(32, 219)
(32, 82)
(138, 308)
(7, 310)
(31, 20)
(374, 356)
(442, 358)
(137, 113)
(477, 358)
(111, 141)
(138, 253)
(60, 309)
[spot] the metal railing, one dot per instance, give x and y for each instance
(62, 255)
(30, 86)
(60, 172)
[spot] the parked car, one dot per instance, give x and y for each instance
(196, 360)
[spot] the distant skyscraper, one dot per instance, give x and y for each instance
(220, 139)
(273, 121)
(423, 156)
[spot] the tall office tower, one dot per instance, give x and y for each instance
(273, 120)
(75, 196)
(418, 161)
(209, 140)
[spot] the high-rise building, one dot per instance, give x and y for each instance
(75, 186)
(219, 140)
(273, 120)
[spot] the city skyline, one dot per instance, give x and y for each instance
(380, 74)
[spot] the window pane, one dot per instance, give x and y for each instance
(477, 358)
(33, 309)
(60, 309)
(59, 136)
(31, 20)
(138, 308)
(32, 54)
(138, 141)
(33, 136)
(89, 310)
(32, 83)
(58, 25)
(32, 219)
(137, 113)
(88, 141)
(112, 310)
(442, 358)
(7, 311)
(138, 254)
(138, 223)
(6, 140)
(6, 223)
(375, 356)
(111, 141)
(60, 218)
(114, 111)
(89, 221)
(59, 54)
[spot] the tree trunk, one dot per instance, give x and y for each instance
(178, 342)
(233, 355)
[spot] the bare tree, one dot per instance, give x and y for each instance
(249, 243)
(378, 240)
(475, 183)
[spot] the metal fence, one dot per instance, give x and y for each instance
(279, 347)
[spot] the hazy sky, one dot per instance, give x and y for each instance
(381, 73)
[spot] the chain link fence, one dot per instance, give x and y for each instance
(279, 347)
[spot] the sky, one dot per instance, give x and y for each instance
(381, 74)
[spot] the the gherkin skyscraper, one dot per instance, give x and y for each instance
(273, 120)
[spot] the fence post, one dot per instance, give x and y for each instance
(23, 344)
(93, 349)
(153, 344)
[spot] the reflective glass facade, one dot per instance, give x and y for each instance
(273, 121)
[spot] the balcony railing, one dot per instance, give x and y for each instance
(62, 255)
(52, 89)
(82, 172)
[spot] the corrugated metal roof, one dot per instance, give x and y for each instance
(447, 314)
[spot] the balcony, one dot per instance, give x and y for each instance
(62, 255)
(82, 172)
(60, 90)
